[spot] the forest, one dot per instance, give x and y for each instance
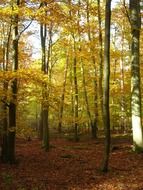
(71, 94)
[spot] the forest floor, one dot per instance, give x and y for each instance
(72, 166)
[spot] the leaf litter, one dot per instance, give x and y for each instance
(72, 166)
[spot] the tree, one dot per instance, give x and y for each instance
(13, 24)
(92, 52)
(100, 57)
(45, 93)
(61, 109)
(6, 53)
(135, 20)
(14, 88)
(106, 114)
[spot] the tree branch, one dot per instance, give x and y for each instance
(126, 11)
(3, 101)
(26, 27)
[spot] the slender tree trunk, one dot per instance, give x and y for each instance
(106, 113)
(94, 122)
(4, 151)
(45, 106)
(72, 91)
(43, 39)
(86, 96)
(63, 96)
(113, 117)
(46, 142)
(75, 96)
(122, 122)
(43, 35)
(13, 102)
(4, 145)
(100, 59)
(40, 129)
(135, 19)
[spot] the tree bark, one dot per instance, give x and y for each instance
(46, 54)
(45, 106)
(4, 152)
(63, 96)
(14, 87)
(93, 124)
(135, 19)
(75, 96)
(106, 113)
(100, 59)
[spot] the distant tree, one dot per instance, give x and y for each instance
(61, 109)
(93, 121)
(100, 57)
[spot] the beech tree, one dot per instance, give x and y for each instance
(10, 105)
(45, 93)
(106, 113)
(100, 57)
(93, 121)
(61, 107)
(6, 28)
(9, 148)
(135, 20)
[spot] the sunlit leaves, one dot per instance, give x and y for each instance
(68, 26)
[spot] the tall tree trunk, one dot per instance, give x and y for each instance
(45, 113)
(94, 122)
(106, 113)
(100, 59)
(40, 127)
(122, 121)
(13, 102)
(135, 19)
(75, 95)
(45, 93)
(72, 92)
(74, 98)
(63, 96)
(86, 99)
(4, 144)
(5, 106)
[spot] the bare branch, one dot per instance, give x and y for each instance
(26, 27)
(126, 11)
